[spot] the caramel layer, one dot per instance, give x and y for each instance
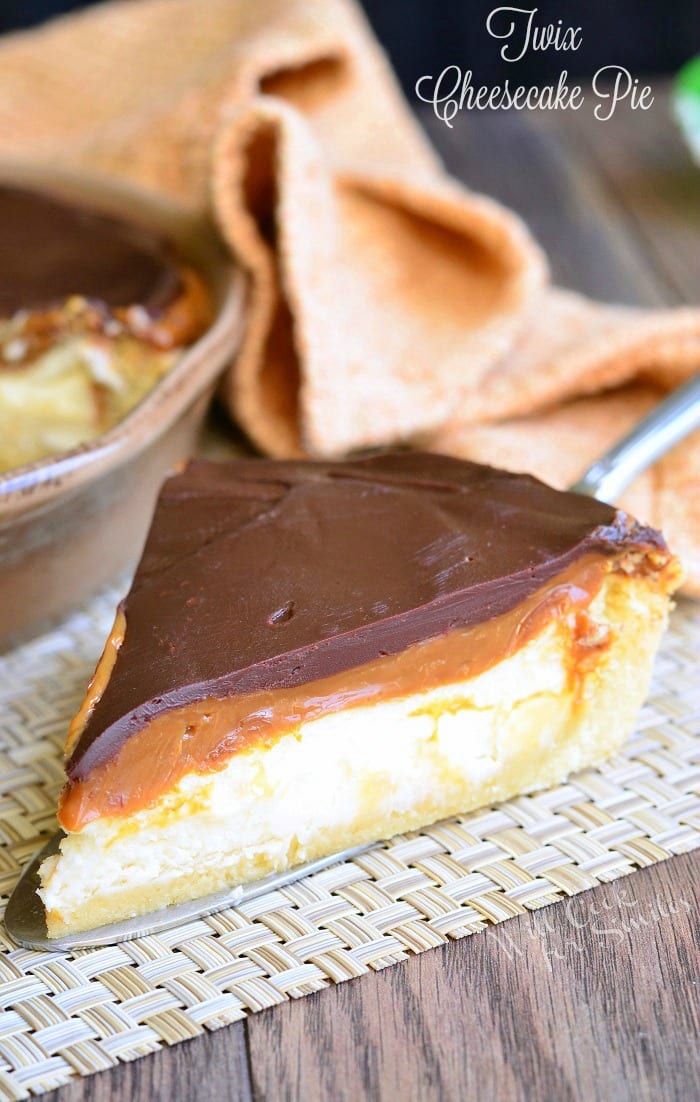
(178, 323)
(203, 736)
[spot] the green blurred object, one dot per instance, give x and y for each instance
(686, 104)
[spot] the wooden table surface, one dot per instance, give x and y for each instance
(593, 998)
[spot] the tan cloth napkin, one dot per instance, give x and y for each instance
(387, 303)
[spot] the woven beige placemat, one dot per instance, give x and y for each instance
(66, 1014)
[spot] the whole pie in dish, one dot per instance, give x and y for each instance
(315, 655)
(93, 313)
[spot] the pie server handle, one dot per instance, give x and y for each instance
(666, 425)
(25, 920)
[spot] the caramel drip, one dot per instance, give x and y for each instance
(203, 736)
(98, 682)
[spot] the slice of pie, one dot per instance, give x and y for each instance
(315, 655)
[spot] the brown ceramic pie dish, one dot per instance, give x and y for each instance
(69, 523)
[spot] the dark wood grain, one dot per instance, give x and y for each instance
(595, 997)
(542, 1007)
(641, 159)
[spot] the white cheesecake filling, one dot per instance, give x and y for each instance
(77, 388)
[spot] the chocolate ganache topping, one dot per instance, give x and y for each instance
(264, 575)
(52, 249)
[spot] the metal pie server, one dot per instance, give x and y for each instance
(25, 921)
